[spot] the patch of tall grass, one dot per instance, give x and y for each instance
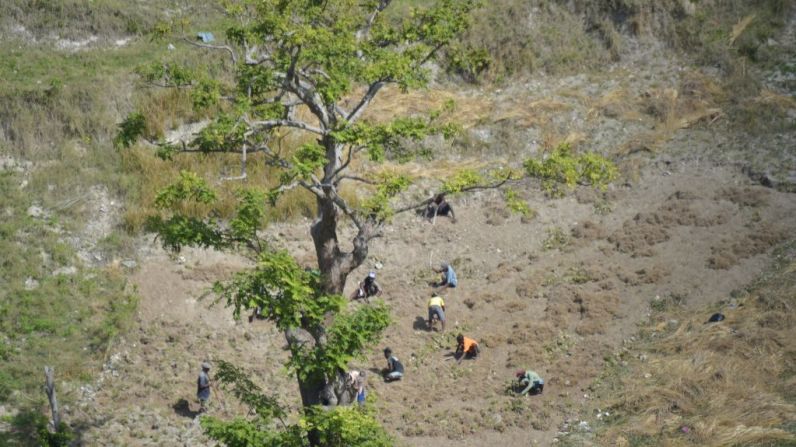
(712, 384)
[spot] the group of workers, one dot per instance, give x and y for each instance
(527, 381)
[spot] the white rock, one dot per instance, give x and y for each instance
(68, 271)
(31, 284)
(35, 211)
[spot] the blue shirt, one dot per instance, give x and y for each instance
(450, 277)
(203, 386)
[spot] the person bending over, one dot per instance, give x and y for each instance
(395, 370)
(367, 288)
(436, 307)
(466, 348)
(531, 382)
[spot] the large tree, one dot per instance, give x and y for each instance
(293, 64)
(310, 67)
(290, 66)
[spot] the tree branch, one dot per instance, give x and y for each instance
(425, 202)
(230, 50)
(365, 31)
(365, 101)
(270, 124)
(313, 189)
(429, 55)
(354, 178)
(286, 187)
(351, 152)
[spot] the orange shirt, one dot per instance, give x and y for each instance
(469, 343)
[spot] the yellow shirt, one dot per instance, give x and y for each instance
(436, 301)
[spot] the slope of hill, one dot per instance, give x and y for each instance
(604, 294)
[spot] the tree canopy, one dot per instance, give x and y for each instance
(311, 68)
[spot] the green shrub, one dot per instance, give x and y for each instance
(516, 204)
(348, 426)
(563, 170)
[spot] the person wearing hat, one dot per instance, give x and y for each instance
(531, 381)
(203, 387)
(436, 306)
(367, 288)
(448, 276)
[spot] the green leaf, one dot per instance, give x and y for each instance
(189, 187)
(562, 169)
(461, 180)
(130, 129)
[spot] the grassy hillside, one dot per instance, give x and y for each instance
(67, 70)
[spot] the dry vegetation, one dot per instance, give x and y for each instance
(712, 384)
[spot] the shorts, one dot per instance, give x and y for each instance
(395, 375)
(436, 310)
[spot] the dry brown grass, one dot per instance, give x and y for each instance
(469, 109)
(697, 99)
(726, 383)
(156, 174)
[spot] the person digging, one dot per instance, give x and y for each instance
(447, 277)
(530, 382)
(438, 206)
(466, 347)
(395, 369)
(436, 308)
(367, 288)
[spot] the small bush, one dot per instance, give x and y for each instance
(516, 204)
(556, 239)
(562, 170)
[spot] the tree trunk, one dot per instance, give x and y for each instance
(49, 388)
(327, 247)
(335, 265)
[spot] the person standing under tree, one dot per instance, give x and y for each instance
(203, 387)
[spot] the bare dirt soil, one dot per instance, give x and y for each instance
(558, 293)
(690, 234)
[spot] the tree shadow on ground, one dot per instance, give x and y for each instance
(183, 408)
(30, 427)
(23, 430)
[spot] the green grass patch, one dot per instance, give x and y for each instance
(66, 320)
